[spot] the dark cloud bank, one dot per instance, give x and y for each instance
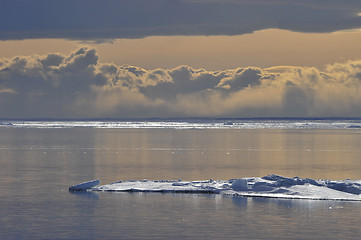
(78, 86)
(102, 19)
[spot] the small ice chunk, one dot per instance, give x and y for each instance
(84, 186)
(240, 185)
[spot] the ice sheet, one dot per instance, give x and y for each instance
(271, 186)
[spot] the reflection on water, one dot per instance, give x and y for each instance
(86, 194)
(194, 216)
(224, 154)
(303, 219)
(38, 165)
(300, 204)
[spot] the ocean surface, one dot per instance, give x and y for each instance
(39, 160)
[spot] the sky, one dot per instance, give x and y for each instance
(180, 58)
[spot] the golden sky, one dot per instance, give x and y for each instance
(180, 58)
(266, 48)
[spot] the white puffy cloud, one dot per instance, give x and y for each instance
(78, 86)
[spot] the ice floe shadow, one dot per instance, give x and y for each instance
(299, 204)
(86, 194)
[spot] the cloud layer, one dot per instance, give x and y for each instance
(94, 19)
(78, 86)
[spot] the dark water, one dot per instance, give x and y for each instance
(38, 165)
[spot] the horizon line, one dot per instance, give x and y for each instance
(179, 119)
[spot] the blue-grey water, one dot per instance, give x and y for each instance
(37, 165)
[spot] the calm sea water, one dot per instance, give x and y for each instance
(38, 165)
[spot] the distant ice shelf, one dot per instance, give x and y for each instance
(271, 186)
(352, 124)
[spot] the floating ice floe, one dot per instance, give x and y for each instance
(271, 186)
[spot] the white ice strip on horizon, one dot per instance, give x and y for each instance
(192, 124)
(273, 186)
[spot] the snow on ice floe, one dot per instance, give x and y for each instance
(271, 186)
